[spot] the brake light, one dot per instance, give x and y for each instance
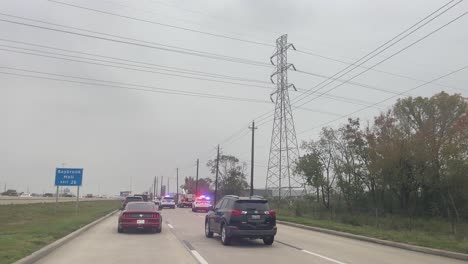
(156, 216)
(236, 212)
(125, 215)
(271, 212)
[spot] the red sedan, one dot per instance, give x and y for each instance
(140, 215)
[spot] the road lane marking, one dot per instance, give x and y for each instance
(311, 253)
(321, 256)
(199, 257)
(194, 252)
(170, 226)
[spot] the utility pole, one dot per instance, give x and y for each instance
(155, 182)
(252, 159)
(167, 185)
(196, 181)
(177, 186)
(216, 179)
(162, 181)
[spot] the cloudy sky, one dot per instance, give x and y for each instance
(74, 91)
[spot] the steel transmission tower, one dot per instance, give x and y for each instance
(284, 150)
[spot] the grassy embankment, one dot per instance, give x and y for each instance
(25, 228)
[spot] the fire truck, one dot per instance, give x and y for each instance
(185, 200)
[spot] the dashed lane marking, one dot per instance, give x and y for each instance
(311, 253)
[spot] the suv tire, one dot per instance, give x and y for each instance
(120, 230)
(268, 240)
(225, 239)
(208, 232)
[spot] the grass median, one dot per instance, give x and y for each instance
(430, 233)
(25, 228)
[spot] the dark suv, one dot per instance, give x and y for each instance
(235, 216)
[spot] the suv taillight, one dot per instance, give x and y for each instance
(156, 216)
(236, 212)
(271, 212)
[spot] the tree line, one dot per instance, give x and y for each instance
(411, 160)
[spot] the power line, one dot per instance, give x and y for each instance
(391, 56)
(379, 49)
(121, 67)
(164, 24)
(375, 70)
(158, 66)
(163, 47)
(338, 98)
(387, 99)
(142, 87)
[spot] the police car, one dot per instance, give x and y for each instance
(168, 202)
(202, 203)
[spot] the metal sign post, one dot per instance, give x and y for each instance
(56, 200)
(77, 199)
(68, 177)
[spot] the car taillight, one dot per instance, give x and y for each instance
(236, 212)
(271, 212)
(125, 215)
(156, 216)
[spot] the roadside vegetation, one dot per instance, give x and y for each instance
(403, 177)
(25, 228)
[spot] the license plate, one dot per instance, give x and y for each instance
(255, 217)
(140, 222)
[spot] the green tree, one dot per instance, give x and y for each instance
(190, 185)
(231, 177)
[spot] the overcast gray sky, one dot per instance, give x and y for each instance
(123, 136)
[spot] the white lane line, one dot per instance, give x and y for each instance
(170, 226)
(199, 257)
(320, 256)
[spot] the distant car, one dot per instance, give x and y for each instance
(129, 199)
(143, 196)
(235, 216)
(25, 195)
(157, 201)
(140, 215)
(168, 202)
(202, 203)
(10, 193)
(48, 195)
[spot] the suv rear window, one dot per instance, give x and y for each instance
(128, 199)
(247, 205)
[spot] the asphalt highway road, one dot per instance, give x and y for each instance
(183, 241)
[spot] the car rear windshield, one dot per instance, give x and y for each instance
(168, 199)
(141, 207)
(133, 199)
(248, 205)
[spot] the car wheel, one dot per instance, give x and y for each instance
(225, 239)
(268, 240)
(193, 209)
(158, 230)
(208, 232)
(120, 230)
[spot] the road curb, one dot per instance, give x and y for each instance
(35, 256)
(432, 251)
